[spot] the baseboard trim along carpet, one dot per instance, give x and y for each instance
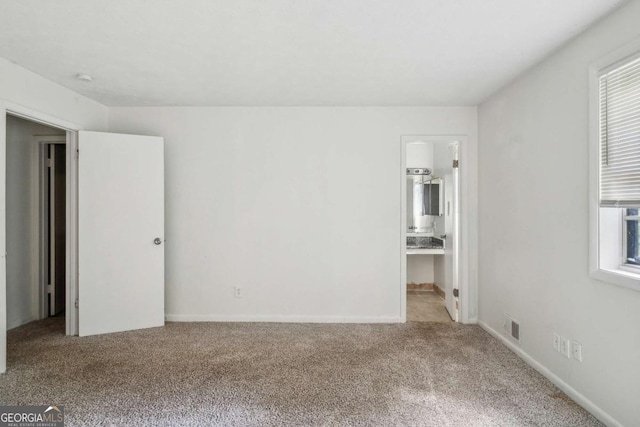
(278, 319)
(595, 410)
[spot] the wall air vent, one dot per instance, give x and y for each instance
(515, 331)
(511, 327)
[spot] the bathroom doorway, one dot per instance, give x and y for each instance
(431, 237)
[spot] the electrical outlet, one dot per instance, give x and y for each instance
(565, 347)
(576, 350)
(556, 342)
(237, 292)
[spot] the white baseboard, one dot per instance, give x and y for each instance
(19, 322)
(278, 319)
(570, 391)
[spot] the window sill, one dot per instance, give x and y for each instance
(624, 278)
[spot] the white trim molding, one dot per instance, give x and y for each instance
(36, 116)
(279, 319)
(71, 259)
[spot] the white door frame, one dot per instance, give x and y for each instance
(40, 182)
(456, 223)
(464, 259)
(72, 211)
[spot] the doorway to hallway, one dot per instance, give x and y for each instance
(35, 221)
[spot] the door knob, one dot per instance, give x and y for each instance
(157, 241)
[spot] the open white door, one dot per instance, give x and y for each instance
(120, 232)
(451, 225)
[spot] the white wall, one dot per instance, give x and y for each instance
(22, 236)
(298, 206)
(420, 155)
(533, 242)
(26, 92)
(22, 88)
(420, 268)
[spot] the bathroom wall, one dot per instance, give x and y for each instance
(420, 268)
(420, 155)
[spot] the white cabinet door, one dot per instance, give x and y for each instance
(120, 232)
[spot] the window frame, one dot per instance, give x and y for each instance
(622, 274)
(626, 218)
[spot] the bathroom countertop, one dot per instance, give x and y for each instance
(424, 245)
(425, 251)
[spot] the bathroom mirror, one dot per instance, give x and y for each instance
(424, 202)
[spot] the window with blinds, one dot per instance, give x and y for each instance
(620, 136)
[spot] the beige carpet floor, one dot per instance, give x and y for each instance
(234, 374)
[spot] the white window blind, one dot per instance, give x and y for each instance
(620, 136)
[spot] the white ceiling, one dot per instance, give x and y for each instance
(288, 52)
